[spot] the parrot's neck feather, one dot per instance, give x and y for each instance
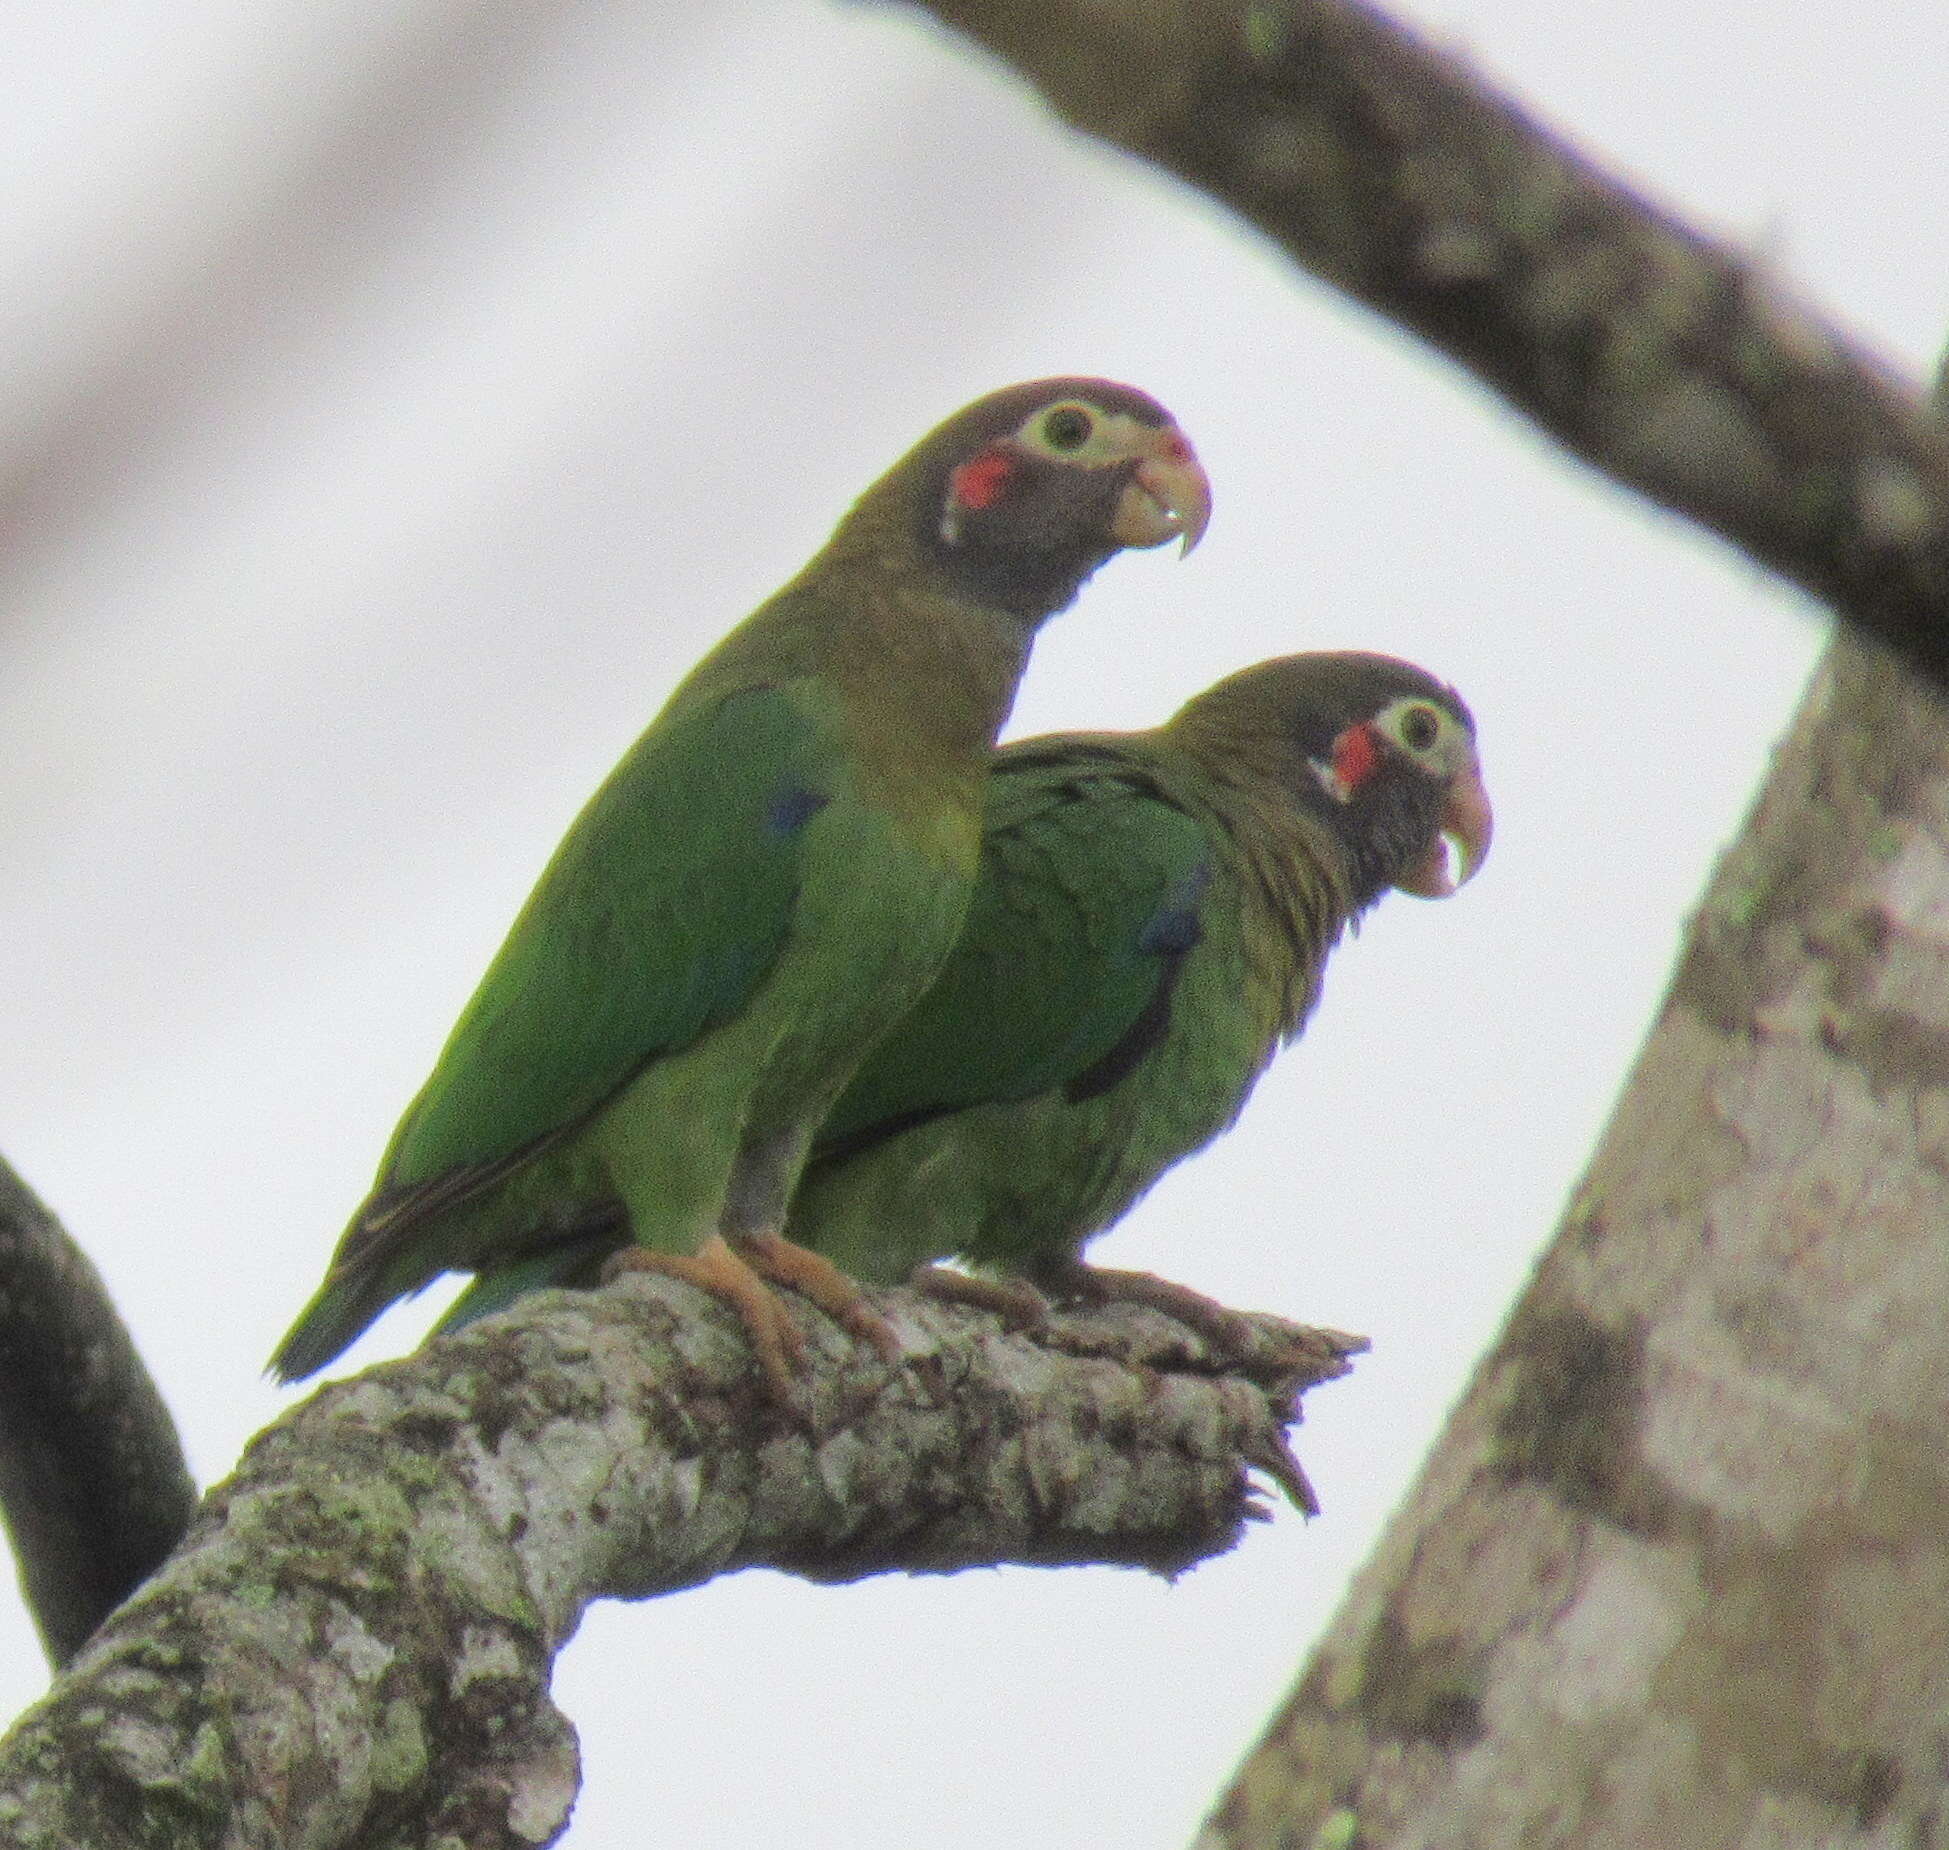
(921, 679)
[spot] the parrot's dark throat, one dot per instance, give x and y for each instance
(1388, 829)
(1026, 546)
(1028, 589)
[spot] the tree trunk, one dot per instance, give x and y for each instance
(1678, 1570)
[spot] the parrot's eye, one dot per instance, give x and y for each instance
(1420, 728)
(1068, 427)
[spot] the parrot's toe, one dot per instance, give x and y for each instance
(1014, 1300)
(771, 1256)
(775, 1339)
(1225, 1330)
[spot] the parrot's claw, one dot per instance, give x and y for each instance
(775, 1339)
(1014, 1300)
(774, 1258)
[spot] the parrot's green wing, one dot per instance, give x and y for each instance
(1085, 906)
(660, 914)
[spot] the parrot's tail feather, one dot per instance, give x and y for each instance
(330, 1323)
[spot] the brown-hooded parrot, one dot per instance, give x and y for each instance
(1152, 921)
(769, 879)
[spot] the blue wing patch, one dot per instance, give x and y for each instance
(1170, 935)
(792, 808)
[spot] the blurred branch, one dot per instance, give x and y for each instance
(353, 1644)
(1660, 356)
(94, 1490)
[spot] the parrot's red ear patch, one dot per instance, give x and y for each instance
(979, 482)
(1354, 756)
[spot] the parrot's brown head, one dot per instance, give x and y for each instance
(1374, 746)
(1021, 496)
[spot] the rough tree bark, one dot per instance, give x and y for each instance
(352, 1646)
(1678, 1571)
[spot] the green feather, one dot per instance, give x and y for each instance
(695, 914)
(1083, 857)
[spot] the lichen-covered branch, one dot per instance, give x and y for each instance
(94, 1489)
(1678, 1570)
(352, 1646)
(1661, 356)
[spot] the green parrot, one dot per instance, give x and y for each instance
(769, 879)
(1151, 922)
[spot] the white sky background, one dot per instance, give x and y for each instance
(396, 398)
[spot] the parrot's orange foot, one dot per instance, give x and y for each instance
(775, 1258)
(714, 1267)
(1225, 1330)
(1014, 1300)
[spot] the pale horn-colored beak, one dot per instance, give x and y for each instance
(1467, 826)
(1169, 496)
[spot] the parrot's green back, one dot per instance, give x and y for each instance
(625, 883)
(759, 888)
(1081, 889)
